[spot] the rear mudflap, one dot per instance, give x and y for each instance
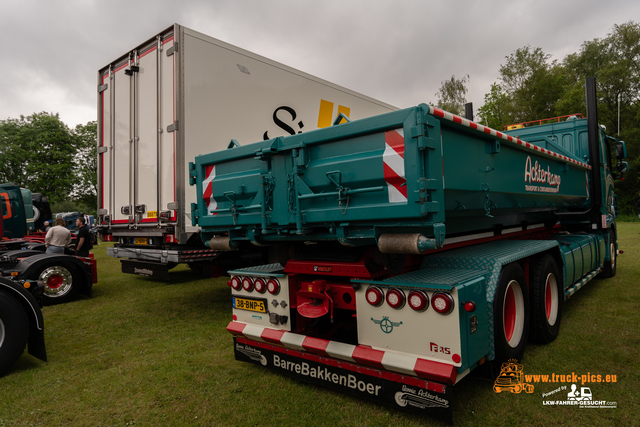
(403, 392)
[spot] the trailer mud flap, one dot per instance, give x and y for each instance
(400, 391)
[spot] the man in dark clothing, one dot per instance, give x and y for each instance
(638, 207)
(84, 240)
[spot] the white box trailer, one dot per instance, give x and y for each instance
(177, 95)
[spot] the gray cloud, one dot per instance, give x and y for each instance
(397, 51)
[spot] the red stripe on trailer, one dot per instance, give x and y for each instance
(368, 356)
(272, 335)
(315, 345)
(236, 328)
(435, 371)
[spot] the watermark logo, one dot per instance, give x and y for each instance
(577, 396)
(511, 378)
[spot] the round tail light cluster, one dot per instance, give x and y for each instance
(374, 296)
(260, 285)
(395, 298)
(247, 284)
(418, 300)
(273, 286)
(442, 303)
(235, 283)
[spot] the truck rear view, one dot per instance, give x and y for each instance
(177, 95)
(413, 246)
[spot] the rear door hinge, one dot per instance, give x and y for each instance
(173, 49)
(173, 127)
(102, 88)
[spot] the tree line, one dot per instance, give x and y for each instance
(533, 86)
(41, 153)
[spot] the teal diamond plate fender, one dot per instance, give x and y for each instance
(491, 257)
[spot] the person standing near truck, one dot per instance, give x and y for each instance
(57, 238)
(84, 240)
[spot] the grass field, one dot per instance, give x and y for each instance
(149, 353)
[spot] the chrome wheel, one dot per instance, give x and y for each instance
(58, 281)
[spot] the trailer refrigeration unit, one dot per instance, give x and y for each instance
(173, 97)
(421, 245)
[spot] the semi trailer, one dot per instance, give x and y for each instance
(179, 94)
(409, 248)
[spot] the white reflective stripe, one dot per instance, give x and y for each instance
(340, 350)
(394, 160)
(253, 332)
(399, 362)
(394, 195)
(293, 341)
(212, 205)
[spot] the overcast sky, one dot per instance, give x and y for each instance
(397, 51)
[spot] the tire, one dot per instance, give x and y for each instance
(14, 331)
(547, 298)
(61, 282)
(610, 266)
(510, 315)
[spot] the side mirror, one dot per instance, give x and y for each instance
(621, 150)
(622, 167)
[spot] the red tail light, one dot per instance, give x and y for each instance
(273, 286)
(260, 285)
(442, 303)
(374, 296)
(247, 284)
(418, 300)
(235, 283)
(395, 298)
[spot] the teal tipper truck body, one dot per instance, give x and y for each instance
(409, 248)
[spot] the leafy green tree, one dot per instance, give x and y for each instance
(533, 84)
(452, 95)
(37, 153)
(615, 62)
(85, 160)
(493, 112)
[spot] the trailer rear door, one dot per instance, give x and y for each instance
(136, 154)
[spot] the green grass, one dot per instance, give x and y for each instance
(149, 353)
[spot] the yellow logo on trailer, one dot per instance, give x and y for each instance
(326, 116)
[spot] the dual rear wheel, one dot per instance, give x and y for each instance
(515, 317)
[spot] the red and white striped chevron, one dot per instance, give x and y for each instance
(389, 360)
(393, 160)
(207, 189)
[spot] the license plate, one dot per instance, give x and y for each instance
(249, 304)
(152, 214)
(140, 241)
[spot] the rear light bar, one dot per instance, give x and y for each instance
(418, 300)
